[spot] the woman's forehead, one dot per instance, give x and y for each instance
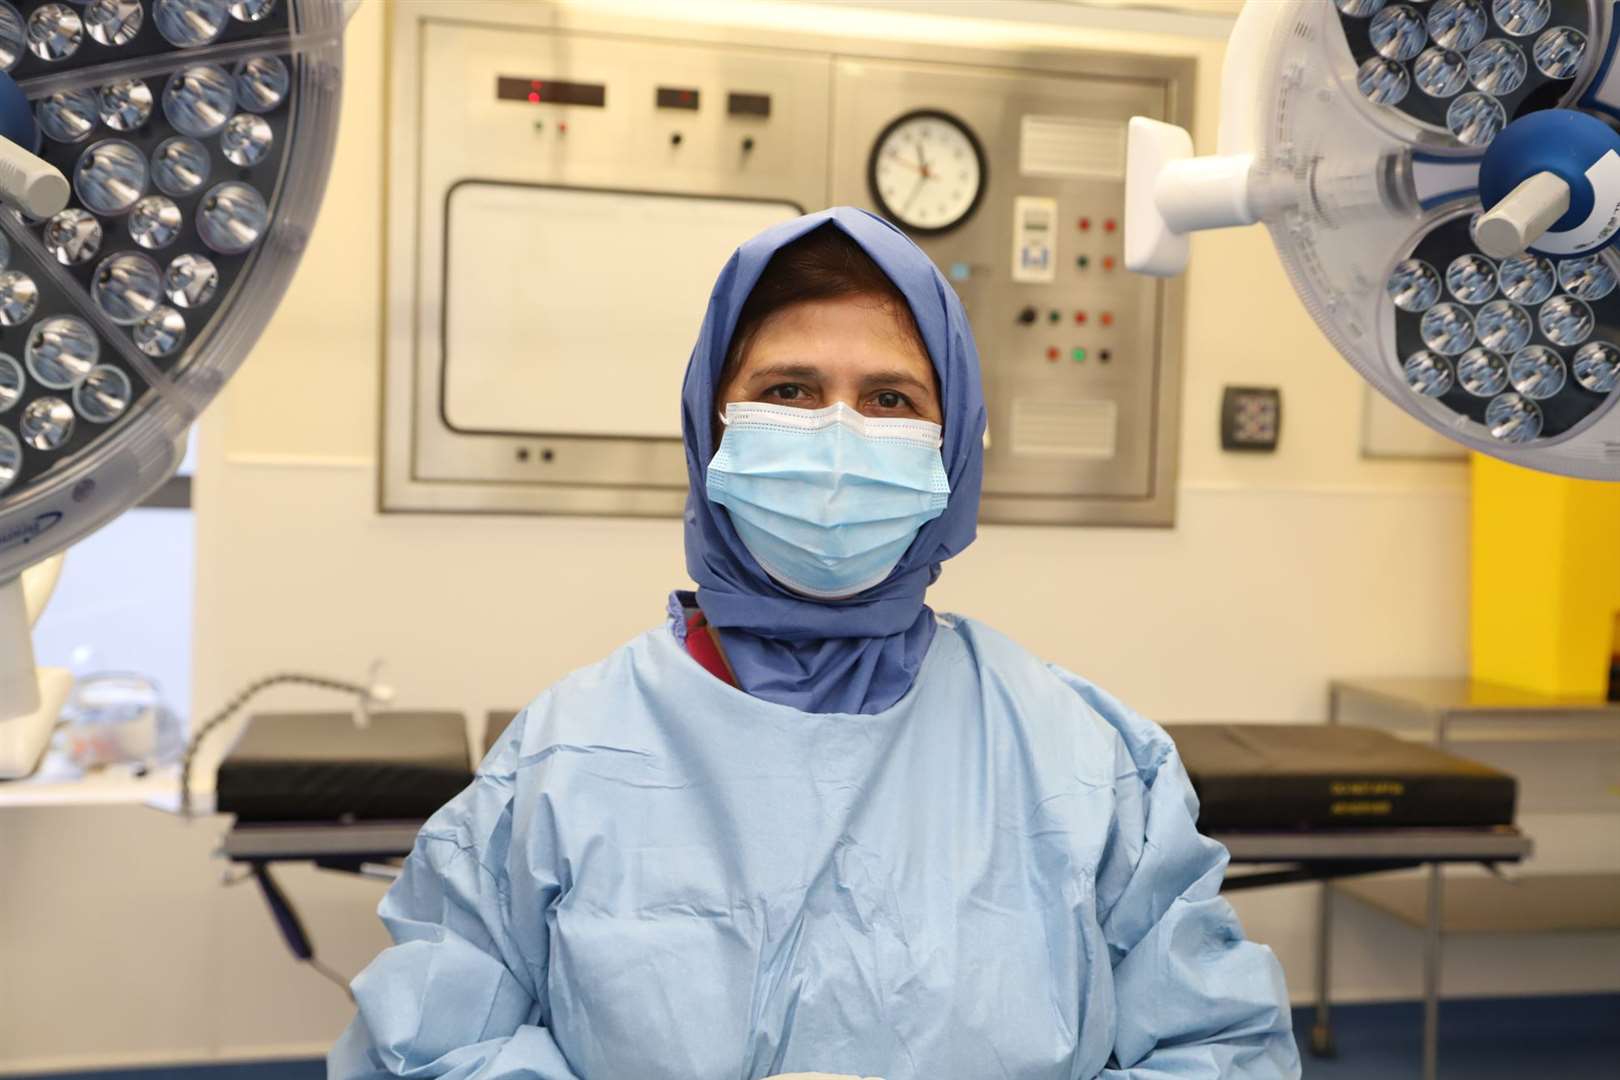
(847, 333)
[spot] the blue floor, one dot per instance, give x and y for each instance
(1570, 1038)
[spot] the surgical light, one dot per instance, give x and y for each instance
(1442, 184)
(196, 136)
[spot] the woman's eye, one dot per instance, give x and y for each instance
(786, 392)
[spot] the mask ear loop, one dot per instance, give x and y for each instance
(725, 425)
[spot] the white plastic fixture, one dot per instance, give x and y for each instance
(197, 138)
(1360, 149)
(34, 696)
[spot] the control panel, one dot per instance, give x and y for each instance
(555, 225)
(1073, 348)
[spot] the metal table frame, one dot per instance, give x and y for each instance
(1441, 712)
(1325, 856)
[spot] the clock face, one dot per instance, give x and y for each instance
(927, 172)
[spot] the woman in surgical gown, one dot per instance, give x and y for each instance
(809, 824)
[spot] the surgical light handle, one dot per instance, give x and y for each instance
(1520, 219)
(31, 183)
(27, 181)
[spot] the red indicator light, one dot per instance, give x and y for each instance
(1109, 226)
(1085, 223)
(1080, 318)
(1108, 318)
(1052, 353)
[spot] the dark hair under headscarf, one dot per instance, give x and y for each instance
(857, 655)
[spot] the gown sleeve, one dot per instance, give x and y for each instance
(1193, 999)
(456, 996)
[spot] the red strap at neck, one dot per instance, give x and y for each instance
(700, 644)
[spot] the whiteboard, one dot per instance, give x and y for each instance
(572, 311)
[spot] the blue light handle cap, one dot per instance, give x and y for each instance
(1580, 150)
(16, 117)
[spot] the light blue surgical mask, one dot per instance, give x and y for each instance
(827, 500)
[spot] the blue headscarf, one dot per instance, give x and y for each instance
(861, 654)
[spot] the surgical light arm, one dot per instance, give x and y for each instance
(30, 698)
(1169, 192)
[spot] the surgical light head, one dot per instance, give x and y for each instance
(1442, 183)
(196, 135)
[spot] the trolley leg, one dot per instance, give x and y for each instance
(1431, 975)
(1322, 1032)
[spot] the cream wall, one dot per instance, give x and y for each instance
(1282, 571)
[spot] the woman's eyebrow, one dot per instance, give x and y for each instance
(895, 377)
(786, 371)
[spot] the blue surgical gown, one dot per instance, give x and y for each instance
(656, 875)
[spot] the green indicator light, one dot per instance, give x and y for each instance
(1079, 354)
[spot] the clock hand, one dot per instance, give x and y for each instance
(921, 180)
(895, 156)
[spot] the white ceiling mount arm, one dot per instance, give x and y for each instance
(19, 687)
(38, 582)
(1169, 193)
(30, 698)
(1151, 245)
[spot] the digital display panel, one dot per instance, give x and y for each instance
(550, 91)
(749, 104)
(675, 97)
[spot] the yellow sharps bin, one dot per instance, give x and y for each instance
(1544, 581)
